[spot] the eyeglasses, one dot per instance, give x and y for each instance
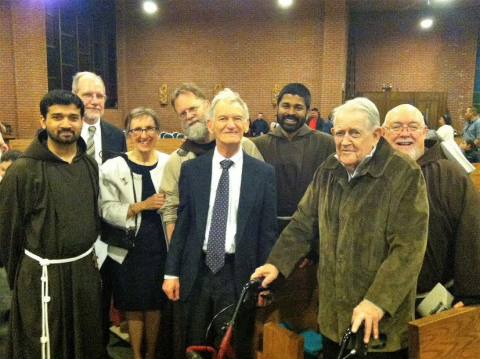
(411, 127)
(139, 131)
(90, 96)
(192, 111)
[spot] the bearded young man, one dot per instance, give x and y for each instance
(293, 149)
(47, 236)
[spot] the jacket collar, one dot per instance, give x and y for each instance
(375, 167)
(433, 153)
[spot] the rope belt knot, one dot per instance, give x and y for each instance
(44, 262)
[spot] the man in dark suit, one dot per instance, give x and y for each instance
(104, 141)
(220, 236)
(108, 140)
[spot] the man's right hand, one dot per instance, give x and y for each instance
(171, 287)
(270, 272)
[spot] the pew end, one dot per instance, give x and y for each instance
(451, 334)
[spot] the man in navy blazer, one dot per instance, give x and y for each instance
(249, 234)
(109, 140)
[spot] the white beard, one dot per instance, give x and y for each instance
(196, 132)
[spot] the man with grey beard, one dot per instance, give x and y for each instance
(453, 247)
(190, 104)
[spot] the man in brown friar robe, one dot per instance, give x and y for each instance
(48, 206)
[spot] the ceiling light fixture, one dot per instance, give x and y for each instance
(426, 23)
(150, 7)
(285, 3)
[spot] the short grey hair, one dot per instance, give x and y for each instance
(140, 112)
(79, 75)
(363, 105)
(228, 95)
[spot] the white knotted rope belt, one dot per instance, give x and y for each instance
(44, 262)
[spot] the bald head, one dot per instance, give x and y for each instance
(405, 130)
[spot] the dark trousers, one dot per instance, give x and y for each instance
(331, 350)
(106, 299)
(214, 295)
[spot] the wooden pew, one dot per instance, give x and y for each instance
(475, 175)
(166, 145)
(19, 145)
(280, 343)
(453, 334)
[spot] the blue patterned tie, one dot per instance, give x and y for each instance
(218, 227)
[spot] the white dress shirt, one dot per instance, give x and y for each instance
(235, 181)
(235, 178)
(97, 138)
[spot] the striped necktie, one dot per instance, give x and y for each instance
(218, 227)
(91, 142)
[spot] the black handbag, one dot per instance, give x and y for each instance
(120, 237)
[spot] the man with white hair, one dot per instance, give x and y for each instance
(103, 139)
(224, 229)
(190, 104)
(368, 204)
(452, 256)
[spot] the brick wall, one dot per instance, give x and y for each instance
(335, 47)
(8, 103)
(30, 61)
(249, 52)
(250, 55)
(392, 49)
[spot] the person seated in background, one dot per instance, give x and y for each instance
(259, 126)
(328, 125)
(7, 159)
(471, 130)
(314, 121)
(453, 245)
(470, 151)
(3, 145)
(446, 130)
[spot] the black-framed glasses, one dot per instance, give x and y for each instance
(139, 131)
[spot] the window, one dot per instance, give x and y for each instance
(476, 87)
(81, 36)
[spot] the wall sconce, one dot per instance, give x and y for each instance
(276, 91)
(163, 95)
(218, 88)
(387, 88)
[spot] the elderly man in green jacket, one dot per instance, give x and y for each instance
(368, 204)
